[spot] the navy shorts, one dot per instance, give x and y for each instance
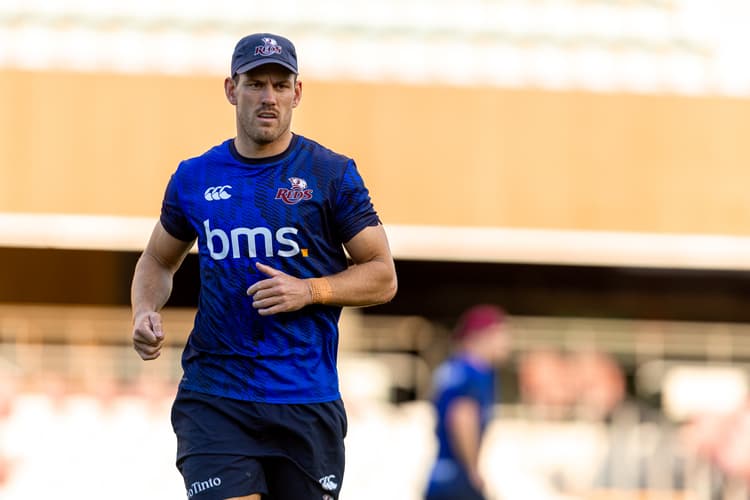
(450, 482)
(228, 448)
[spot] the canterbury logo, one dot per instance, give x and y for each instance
(217, 193)
(328, 482)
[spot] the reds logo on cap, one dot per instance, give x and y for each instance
(269, 47)
(263, 48)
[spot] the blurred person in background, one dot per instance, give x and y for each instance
(258, 410)
(8, 394)
(733, 453)
(597, 383)
(464, 398)
(544, 382)
(721, 440)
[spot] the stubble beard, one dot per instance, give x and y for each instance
(261, 136)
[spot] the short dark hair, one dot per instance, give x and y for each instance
(236, 76)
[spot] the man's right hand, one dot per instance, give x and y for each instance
(148, 336)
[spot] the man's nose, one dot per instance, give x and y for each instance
(268, 95)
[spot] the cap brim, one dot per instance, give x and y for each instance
(262, 62)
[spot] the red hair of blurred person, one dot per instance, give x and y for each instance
(481, 332)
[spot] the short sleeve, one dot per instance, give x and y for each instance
(453, 380)
(354, 209)
(173, 218)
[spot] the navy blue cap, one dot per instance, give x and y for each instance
(263, 48)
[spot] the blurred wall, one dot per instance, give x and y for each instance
(107, 143)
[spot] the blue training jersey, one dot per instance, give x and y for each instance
(292, 212)
(461, 376)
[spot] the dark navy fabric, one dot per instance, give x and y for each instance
(218, 477)
(223, 438)
(458, 488)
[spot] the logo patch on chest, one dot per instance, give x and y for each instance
(298, 192)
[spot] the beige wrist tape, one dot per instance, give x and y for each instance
(320, 290)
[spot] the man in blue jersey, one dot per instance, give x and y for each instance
(258, 413)
(464, 398)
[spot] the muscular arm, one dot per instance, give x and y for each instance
(151, 287)
(370, 280)
(463, 421)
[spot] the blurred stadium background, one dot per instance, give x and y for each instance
(580, 162)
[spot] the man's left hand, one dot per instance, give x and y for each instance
(279, 292)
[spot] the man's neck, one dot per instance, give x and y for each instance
(251, 149)
(476, 357)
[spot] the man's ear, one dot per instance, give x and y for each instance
(230, 90)
(297, 93)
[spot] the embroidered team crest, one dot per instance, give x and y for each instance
(297, 193)
(269, 47)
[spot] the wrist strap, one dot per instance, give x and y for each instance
(320, 290)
